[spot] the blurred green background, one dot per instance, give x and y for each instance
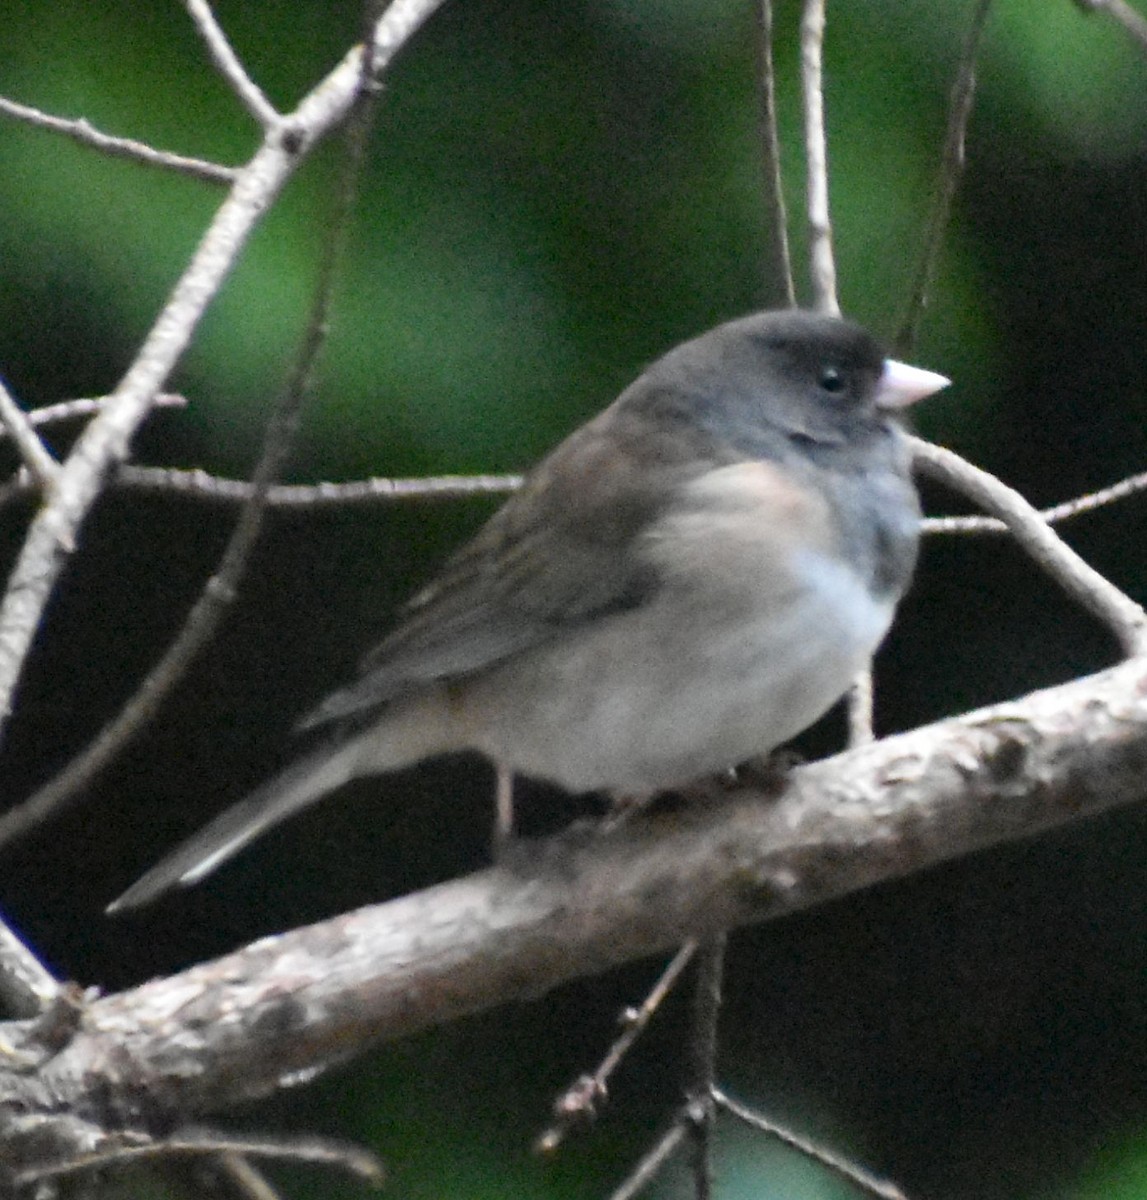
(556, 194)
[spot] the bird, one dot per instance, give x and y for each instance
(683, 584)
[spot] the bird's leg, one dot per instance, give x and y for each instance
(623, 807)
(768, 772)
(503, 809)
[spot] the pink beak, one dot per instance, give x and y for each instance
(902, 385)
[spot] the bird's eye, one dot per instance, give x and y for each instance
(832, 381)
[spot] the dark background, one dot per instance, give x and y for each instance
(556, 194)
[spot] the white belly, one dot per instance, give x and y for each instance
(683, 687)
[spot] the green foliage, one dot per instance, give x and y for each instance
(555, 194)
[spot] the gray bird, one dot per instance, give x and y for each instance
(685, 582)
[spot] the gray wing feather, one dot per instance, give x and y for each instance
(558, 553)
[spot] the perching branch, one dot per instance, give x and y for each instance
(287, 1006)
(27, 987)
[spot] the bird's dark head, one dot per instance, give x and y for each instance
(815, 380)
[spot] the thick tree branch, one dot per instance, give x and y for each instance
(286, 1007)
(27, 987)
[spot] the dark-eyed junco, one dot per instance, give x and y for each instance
(686, 582)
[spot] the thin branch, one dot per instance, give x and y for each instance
(220, 590)
(196, 484)
(227, 63)
(105, 442)
(951, 170)
(88, 406)
(822, 267)
(82, 131)
(136, 1147)
(1053, 516)
(223, 1175)
(580, 1100)
(1132, 21)
(41, 465)
(243, 1178)
(857, 1175)
(778, 260)
(700, 1106)
(199, 485)
(649, 1166)
(1101, 598)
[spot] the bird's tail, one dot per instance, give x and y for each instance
(301, 784)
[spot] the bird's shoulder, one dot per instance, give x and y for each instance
(559, 552)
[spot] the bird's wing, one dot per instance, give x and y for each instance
(561, 551)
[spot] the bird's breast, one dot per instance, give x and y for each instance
(757, 627)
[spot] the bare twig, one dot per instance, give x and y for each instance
(700, 1106)
(227, 62)
(136, 1147)
(951, 169)
(201, 486)
(198, 485)
(42, 466)
(223, 1175)
(244, 1179)
(220, 590)
(88, 406)
(81, 130)
(857, 1175)
(653, 1160)
(1132, 21)
(778, 261)
(1101, 598)
(105, 441)
(1053, 516)
(822, 267)
(579, 1101)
